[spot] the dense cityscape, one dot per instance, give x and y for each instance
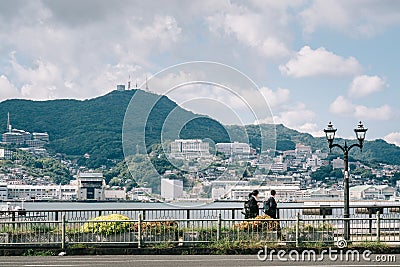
(224, 171)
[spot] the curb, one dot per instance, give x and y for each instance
(51, 251)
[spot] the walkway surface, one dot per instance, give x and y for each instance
(174, 260)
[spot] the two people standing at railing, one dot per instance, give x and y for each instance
(251, 208)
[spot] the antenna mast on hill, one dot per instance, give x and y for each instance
(147, 86)
(8, 122)
(129, 82)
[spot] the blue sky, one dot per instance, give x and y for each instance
(314, 61)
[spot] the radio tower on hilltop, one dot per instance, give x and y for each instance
(129, 82)
(147, 86)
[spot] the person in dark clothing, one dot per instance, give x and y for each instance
(270, 208)
(253, 205)
(246, 208)
(270, 205)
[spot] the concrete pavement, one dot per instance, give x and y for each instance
(174, 261)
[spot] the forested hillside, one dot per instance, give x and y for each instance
(94, 126)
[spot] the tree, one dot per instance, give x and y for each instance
(326, 171)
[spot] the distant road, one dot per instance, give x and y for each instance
(171, 261)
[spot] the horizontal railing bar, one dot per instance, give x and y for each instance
(29, 222)
(209, 208)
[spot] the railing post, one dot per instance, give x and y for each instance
(233, 214)
(370, 220)
(63, 231)
(378, 226)
(219, 227)
(187, 218)
(13, 219)
(140, 231)
(297, 229)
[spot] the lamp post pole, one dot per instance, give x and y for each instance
(346, 192)
(330, 136)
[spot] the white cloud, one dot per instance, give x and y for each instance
(311, 128)
(244, 105)
(355, 18)
(7, 89)
(81, 49)
(263, 29)
(341, 105)
(41, 82)
(344, 107)
(393, 138)
(62, 55)
(275, 98)
(160, 35)
(309, 62)
(364, 85)
(380, 113)
(326, 12)
(297, 117)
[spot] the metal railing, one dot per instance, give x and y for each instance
(288, 212)
(189, 232)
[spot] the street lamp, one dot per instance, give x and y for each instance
(330, 136)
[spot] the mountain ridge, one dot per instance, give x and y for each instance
(94, 126)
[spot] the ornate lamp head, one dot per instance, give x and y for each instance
(360, 133)
(330, 134)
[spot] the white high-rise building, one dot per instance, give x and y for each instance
(171, 188)
(282, 191)
(190, 148)
(41, 136)
(235, 148)
(15, 137)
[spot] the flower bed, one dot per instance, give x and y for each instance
(119, 228)
(260, 223)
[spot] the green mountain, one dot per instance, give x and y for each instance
(95, 126)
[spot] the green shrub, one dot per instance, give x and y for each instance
(32, 252)
(160, 226)
(306, 227)
(108, 224)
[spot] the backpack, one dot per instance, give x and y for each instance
(267, 206)
(246, 208)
